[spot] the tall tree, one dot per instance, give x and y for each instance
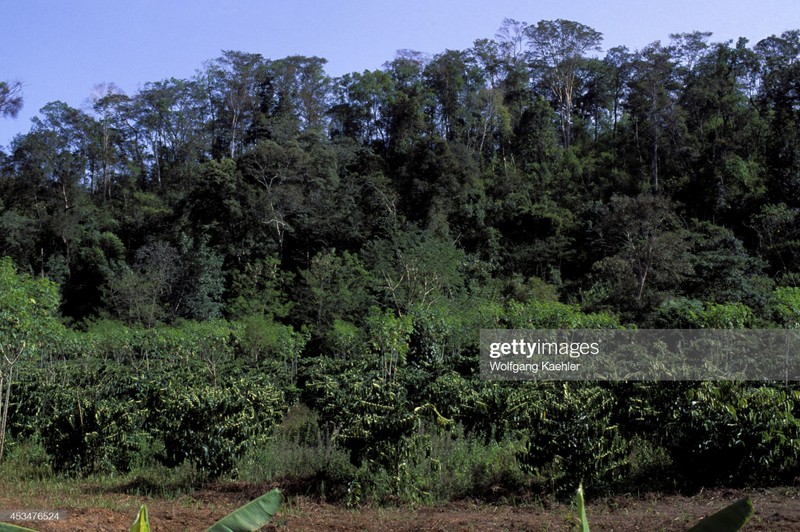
(493, 120)
(106, 135)
(511, 40)
(172, 119)
(653, 104)
(647, 251)
(619, 61)
(293, 98)
(514, 73)
(407, 121)
(281, 171)
(557, 49)
(59, 147)
(233, 79)
(689, 48)
(361, 107)
(723, 142)
(780, 100)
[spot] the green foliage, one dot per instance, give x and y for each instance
(569, 434)
(693, 314)
(7, 527)
(299, 451)
(264, 339)
(259, 288)
(142, 521)
(471, 402)
(458, 465)
(202, 281)
(776, 228)
(368, 413)
(131, 390)
(735, 433)
(10, 98)
(167, 283)
(267, 170)
(337, 286)
(346, 340)
(532, 289)
(211, 425)
(88, 434)
(724, 270)
(360, 231)
(646, 251)
(439, 332)
(26, 460)
(680, 314)
(252, 515)
(785, 306)
(731, 518)
(388, 337)
(446, 465)
(728, 316)
(133, 298)
(17, 235)
(554, 315)
(27, 306)
(580, 510)
(417, 269)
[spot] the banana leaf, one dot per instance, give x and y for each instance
(580, 508)
(142, 522)
(7, 527)
(729, 519)
(252, 515)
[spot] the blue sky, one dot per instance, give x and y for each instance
(61, 49)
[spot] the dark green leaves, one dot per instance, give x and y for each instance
(251, 516)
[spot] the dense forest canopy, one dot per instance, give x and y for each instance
(263, 215)
(624, 179)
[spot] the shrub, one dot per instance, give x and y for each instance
(211, 426)
(736, 433)
(299, 451)
(568, 434)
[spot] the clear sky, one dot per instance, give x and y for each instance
(61, 49)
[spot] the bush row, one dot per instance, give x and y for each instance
(391, 401)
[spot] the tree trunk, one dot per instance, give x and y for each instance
(4, 413)
(654, 163)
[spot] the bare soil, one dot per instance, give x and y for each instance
(776, 509)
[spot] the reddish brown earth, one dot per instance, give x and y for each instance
(776, 509)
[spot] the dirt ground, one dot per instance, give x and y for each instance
(777, 509)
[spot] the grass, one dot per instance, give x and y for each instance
(27, 477)
(58, 493)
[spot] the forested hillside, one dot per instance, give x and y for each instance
(267, 271)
